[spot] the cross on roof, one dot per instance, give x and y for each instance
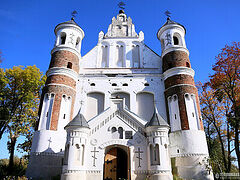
(121, 5)
(167, 13)
(74, 14)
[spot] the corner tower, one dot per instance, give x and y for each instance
(188, 147)
(57, 102)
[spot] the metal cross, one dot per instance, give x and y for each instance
(139, 156)
(49, 142)
(168, 38)
(74, 14)
(81, 103)
(94, 156)
(167, 13)
(121, 5)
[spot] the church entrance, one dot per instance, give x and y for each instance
(116, 164)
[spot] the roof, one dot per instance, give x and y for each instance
(68, 22)
(169, 21)
(156, 120)
(78, 121)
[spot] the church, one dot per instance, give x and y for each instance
(120, 112)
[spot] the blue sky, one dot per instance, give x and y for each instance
(27, 37)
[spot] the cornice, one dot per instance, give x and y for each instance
(62, 71)
(65, 48)
(178, 70)
(175, 48)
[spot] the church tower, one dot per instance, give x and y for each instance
(188, 147)
(57, 101)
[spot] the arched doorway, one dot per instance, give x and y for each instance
(116, 164)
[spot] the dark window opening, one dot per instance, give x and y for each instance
(192, 114)
(146, 84)
(175, 40)
(92, 84)
(125, 84)
(69, 65)
(114, 84)
(63, 38)
(187, 64)
(128, 135)
(178, 151)
(175, 116)
(64, 116)
(77, 42)
(170, 65)
(47, 114)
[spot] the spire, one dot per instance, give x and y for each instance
(78, 121)
(156, 120)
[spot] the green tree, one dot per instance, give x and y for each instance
(20, 92)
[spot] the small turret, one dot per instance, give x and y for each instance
(159, 161)
(74, 155)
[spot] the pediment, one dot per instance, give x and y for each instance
(123, 115)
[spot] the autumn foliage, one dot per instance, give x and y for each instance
(220, 102)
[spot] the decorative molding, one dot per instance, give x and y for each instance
(158, 171)
(69, 26)
(150, 172)
(62, 71)
(55, 84)
(189, 155)
(65, 48)
(93, 172)
(115, 141)
(180, 85)
(47, 154)
(175, 48)
(178, 70)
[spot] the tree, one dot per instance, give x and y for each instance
(20, 92)
(218, 132)
(226, 83)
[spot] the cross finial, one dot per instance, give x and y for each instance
(167, 13)
(74, 13)
(121, 5)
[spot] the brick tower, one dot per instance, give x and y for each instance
(188, 147)
(57, 101)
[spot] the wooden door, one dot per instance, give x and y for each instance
(110, 165)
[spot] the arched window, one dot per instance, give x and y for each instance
(146, 84)
(145, 105)
(63, 38)
(66, 154)
(187, 64)
(119, 55)
(174, 114)
(136, 56)
(92, 84)
(104, 56)
(77, 43)
(120, 132)
(83, 149)
(125, 84)
(95, 104)
(69, 65)
(175, 40)
(151, 154)
(78, 152)
(114, 84)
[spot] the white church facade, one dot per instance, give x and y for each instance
(121, 111)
